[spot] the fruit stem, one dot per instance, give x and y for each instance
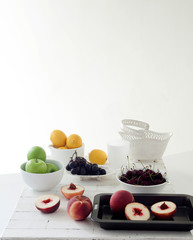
(164, 175)
(138, 180)
(142, 164)
(150, 175)
(134, 166)
(125, 178)
(154, 165)
(128, 162)
(75, 152)
(122, 169)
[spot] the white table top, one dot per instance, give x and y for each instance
(12, 186)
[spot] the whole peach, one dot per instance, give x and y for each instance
(79, 207)
(119, 200)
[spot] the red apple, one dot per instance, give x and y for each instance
(119, 200)
(47, 203)
(72, 190)
(164, 209)
(79, 207)
(137, 211)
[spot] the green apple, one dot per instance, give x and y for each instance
(36, 152)
(36, 166)
(51, 167)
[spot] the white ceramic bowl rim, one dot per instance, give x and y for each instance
(59, 165)
(65, 149)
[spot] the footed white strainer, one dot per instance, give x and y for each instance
(144, 144)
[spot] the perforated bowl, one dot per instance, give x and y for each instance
(144, 144)
(134, 128)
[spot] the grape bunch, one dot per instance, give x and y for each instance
(80, 166)
(144, 177)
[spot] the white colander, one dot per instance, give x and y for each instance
(144, 144)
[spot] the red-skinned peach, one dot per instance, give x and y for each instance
(79, 207)
(119, 200)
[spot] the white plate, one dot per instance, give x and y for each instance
(109, 171)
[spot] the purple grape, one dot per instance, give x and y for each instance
(73, 164)
(68, 168)
(95, 167)
(88, 167)
(82, 171)
(73, 171)
(102, 171)
(77, 170)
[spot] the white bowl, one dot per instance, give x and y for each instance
(43, 181)
(147, 148)
(64, 155)
(142, 189)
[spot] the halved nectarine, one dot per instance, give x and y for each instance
(137, 211)
(164, 209)
(71, 190)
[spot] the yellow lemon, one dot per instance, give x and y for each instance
(58, 138)
(98, 156)
(74, 141)
(64, 147)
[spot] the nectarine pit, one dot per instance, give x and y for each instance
(164, 206)
(137, 211)
(47, 200)
(72, 186)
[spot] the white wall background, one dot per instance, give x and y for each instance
(83, 66)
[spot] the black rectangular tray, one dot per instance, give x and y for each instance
(182, 221)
